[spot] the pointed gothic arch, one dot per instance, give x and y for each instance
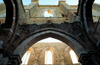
(49, 56)
(12, 20)
(65, 37)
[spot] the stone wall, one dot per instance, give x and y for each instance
(31, 8)
(43, 20)
(41, 10)
(2, 12)
(96, 6)
(96, 12)
(60, 52)
(68, 11)
(35, 13)
(64, 7)
(2, 6)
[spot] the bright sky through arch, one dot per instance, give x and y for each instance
(50, 39)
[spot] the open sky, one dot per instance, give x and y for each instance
(50, 40)
(53, 2)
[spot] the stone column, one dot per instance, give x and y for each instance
(4, 61)
(35, 62)
(14, 60)
(62, 61)
(91, 58)
(7, 58)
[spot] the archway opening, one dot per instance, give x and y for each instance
(50, 51)
(25, 58)
(2, 12)
(49, 39)
(48, 57)
(73, 57)
(48, 13)
(33, 39)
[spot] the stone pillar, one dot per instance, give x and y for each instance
(62, 61)
(91, 58)
(7, 58)
(14, 60)
(35, 62)
(4, 61)
(1, 55)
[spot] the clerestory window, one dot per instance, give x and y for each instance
(73, 57)
(48, 57)
(25, 58)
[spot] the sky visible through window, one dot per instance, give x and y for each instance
(50, 39)
(53, 2)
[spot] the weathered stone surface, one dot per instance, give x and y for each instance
(2, 6)
(77, 29)
(32, 8)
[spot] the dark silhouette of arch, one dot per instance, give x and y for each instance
(15, 10)
(65, 37)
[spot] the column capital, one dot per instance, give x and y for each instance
(90, 58)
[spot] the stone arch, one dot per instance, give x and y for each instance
(10, 15)
(85, 13)
(13, 15)
(14, 11)
(65, 37)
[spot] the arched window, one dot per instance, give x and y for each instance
(25, 58)
(48, 57)
(73, 57)
(48, 13)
